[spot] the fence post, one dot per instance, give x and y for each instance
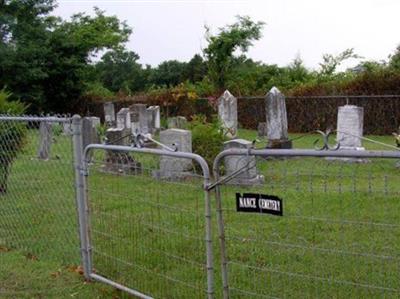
(79, 167)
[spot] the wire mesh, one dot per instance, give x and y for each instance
(37, 204)
(338, 236)
(147, 223)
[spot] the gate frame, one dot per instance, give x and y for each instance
(272, 153)
(81, 171)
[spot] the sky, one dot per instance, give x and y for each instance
(166, 29)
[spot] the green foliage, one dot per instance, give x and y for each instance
(207, 138)
(196, 69)
(10, 107)
(395, 59)
(97, 90)
(119, 71)
(169, 73)
(221, 47)
(12, 135)
(44, 61)
(331, 62)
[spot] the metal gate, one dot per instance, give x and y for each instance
(309, 224)
(144, 229)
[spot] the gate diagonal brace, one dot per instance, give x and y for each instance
(139, 140)
(230, 177)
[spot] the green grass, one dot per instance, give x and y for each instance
(339, 236)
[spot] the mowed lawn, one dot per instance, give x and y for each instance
(338, 237)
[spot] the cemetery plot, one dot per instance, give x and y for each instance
(38, 221)
(147, 231)
(338, 236)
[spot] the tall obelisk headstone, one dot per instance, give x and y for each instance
(277, 125)
(227, 114)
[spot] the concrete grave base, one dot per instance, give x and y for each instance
(257, 180)
(121, 163)
(349, 160)
(279, 144)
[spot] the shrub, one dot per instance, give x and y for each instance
(207, 137)
(12, 135)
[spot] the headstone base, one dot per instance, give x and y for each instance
(279, 144)
(121, 163)
(262, 129)
(349, 160)
(171, 176)
(257, 180)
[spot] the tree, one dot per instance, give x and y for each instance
(395, 59)
(331, 62)
(45, 61)
(196, 69)
(168, 73)
(119, 70)
(12, 136)
(221, 47)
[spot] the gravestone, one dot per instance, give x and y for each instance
(171, 167)
(90, 132)
(154, 119)
(227, 114)
(139, 118)
(262, 129)
(66, 128)
(120, 161)
(45, 140)
(124, 118)
(277, 125)
(350, 124)
(178, 122)
(109, 114)
(249, 176)
(118, 136)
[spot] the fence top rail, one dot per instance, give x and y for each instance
(203, 164)
(304, 153)
(35, 118)
(344, 97)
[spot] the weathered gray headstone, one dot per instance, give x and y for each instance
(124, 118)
(350, 131)
(249, 176)
(154, 119)
(227, 114)
(118, 136)
(45, 140)
(277, 125)
(90, 132)
(178, 122)
(67, 128)
(109, 114)
(171, 167)
(139, 118)
(350, 124)
(262, 129)
(120, 161)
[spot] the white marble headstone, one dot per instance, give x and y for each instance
(227, 113)
(350, 124)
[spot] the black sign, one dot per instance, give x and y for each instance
(259, 203)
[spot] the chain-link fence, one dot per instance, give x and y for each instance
(149, 221)
(292, 223)
(309, 224)
(37, 202)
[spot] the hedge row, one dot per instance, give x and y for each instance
(381, 114)
(305, 114)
